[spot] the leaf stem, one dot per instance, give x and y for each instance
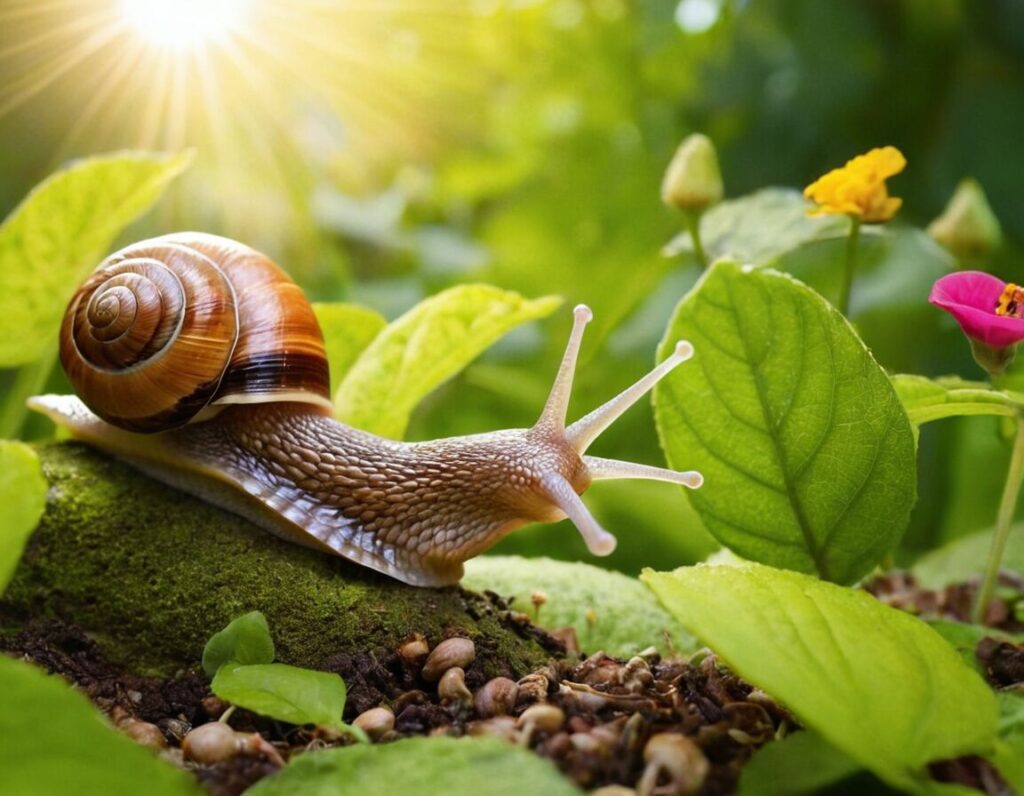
(849, 265)
(692, 219)
(29, 380)
(1006, 508)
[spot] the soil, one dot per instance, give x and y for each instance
(608, 709)
(901, 590)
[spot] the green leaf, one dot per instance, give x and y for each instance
(965, 557)
(1009, 754)
(896, 268)
(625, 620)
(758, 227)
(60, 232)
(348, 329)
(423, 766)
(877, 683)
(22, 498)
(926, 400)
(964, 638)
(55, 741)
(245, 640)
(803, 762)
(807, 454)
(428, 345)
(286, 693)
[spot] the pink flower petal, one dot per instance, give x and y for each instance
(971, 297)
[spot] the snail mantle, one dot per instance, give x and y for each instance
(151, 574)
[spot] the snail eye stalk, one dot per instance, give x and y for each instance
(579, 436)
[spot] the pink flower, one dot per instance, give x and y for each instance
(988, 309)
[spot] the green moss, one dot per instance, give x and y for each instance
(152, 573)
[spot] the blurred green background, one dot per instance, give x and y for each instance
(382, 151)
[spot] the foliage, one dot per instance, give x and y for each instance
(964, 557)
(22, 498)
(287, 693)
(425, 766)
(801, 763)
(348, 329)
(239, 658)
(423, 348)
(60, 232)
(246, 640)
(608, 610)
(875, 682)
(807, 454)
(54, 738)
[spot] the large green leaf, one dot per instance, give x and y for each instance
(758, 227)
(610, 611)
(287, 693)
(801, 763)
(807, 454)
(22, 500)
(60, 232)
(423, 766)
(926, 400)
(348, 329)
(54, 741)
(965, 558)
(425, 347)
(245, 640)
(875, 682)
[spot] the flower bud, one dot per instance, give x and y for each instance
(693, 181)
(967, 227)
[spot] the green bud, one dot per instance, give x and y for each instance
(967, 227)
(693, 181)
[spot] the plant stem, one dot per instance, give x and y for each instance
(849, 264)
(1006, 508)
(29, 380)
(692, 218)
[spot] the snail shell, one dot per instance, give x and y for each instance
(166, 328)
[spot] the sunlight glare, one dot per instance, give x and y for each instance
(183, 24)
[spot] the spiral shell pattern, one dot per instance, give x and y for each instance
(168, 326)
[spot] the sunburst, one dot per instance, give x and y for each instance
(266, 91)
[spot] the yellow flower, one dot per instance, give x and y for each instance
(858, 188)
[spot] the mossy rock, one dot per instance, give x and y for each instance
(151, 573)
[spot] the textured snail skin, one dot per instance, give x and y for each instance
(414, 511)
(254, 434)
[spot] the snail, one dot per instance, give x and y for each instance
(200, 362)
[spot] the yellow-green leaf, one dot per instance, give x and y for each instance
(60, 232)
(22, 500)
(877, 683)
(348, 329)
(428, 345)
(286, 693)
(55, 741)
(245, 640)
(421, 766)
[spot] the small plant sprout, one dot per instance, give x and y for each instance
(538, 598)
(692, 184)
(858, 190)
(991, 314)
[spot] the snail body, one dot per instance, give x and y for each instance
(200, 362)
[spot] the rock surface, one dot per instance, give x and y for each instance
(151, 573)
